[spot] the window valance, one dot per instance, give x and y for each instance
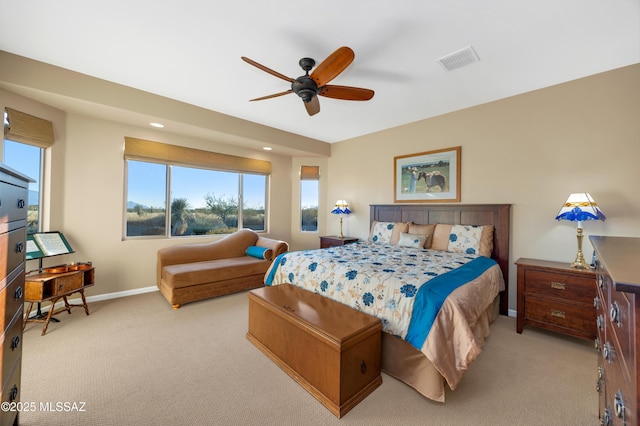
(309, 172)
(28, 129)
(157, 152)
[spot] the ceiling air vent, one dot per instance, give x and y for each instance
(459, 58)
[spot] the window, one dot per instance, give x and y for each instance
(309, 189)
(25, 139)
(27, 159)
(203, 200)
(146, 199)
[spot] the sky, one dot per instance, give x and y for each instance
(24, 159)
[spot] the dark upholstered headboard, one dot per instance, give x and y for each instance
(498, 215)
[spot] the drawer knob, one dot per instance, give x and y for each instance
(600, 322)
(13, 393)
(596, 302)
(618, 405)
(606, 352)
(606, 419)
(614, 314)
(19, 247)
(597, 344)
(363, 367)
(557, 314)
(600, 373)
(558, 286)
(19, 293)
(15, 342)
(21, 203)
(600, 281)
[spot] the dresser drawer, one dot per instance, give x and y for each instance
(13, 202)
(11, 391)
(12, 250)
(619, 384)
(561, 314)
(11, 342)
(621, 330)
(11, 296)
(562, 286)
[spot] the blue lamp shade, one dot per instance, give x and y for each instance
(579, 207)
(342, 207)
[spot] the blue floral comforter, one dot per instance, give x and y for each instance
(402, 286)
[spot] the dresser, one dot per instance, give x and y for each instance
(618, 308)
(554, 296)
(13, 228)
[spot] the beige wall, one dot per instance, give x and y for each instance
(530, 150)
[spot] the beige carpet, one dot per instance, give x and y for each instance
(135, 361)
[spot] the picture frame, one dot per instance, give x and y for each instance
(424, 177)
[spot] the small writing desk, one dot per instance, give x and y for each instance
(51, 287)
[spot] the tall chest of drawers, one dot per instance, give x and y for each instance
(13, 226)
(618, 319)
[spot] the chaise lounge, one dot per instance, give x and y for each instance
(238, 262)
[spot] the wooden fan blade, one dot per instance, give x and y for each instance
(313, 106)
(269, 70)
(275, 95)
(332, 66)
(346, 93)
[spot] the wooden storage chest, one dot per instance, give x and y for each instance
(331, 350)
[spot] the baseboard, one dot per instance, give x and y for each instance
(107, 296)
(512, 313)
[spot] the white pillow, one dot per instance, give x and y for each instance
(412, 240)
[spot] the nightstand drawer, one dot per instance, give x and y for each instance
(559, 314)
(562, 286)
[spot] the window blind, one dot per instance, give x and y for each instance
(28, 129)
(157, 152)
(309, 172)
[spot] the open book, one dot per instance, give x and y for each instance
(46, 244)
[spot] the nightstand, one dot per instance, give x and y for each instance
(334, 240)
(554, 296)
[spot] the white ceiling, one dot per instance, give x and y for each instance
(190, 51)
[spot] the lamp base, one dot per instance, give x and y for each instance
(580, 263)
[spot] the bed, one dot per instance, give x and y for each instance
(434, 274)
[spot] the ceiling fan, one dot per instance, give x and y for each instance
(309, 86)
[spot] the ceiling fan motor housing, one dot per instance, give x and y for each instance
(305, 87)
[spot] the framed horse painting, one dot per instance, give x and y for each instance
(432, 176)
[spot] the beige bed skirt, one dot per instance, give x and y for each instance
(409, 365)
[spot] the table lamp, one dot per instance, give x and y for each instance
(577, 208)
(341, 208)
